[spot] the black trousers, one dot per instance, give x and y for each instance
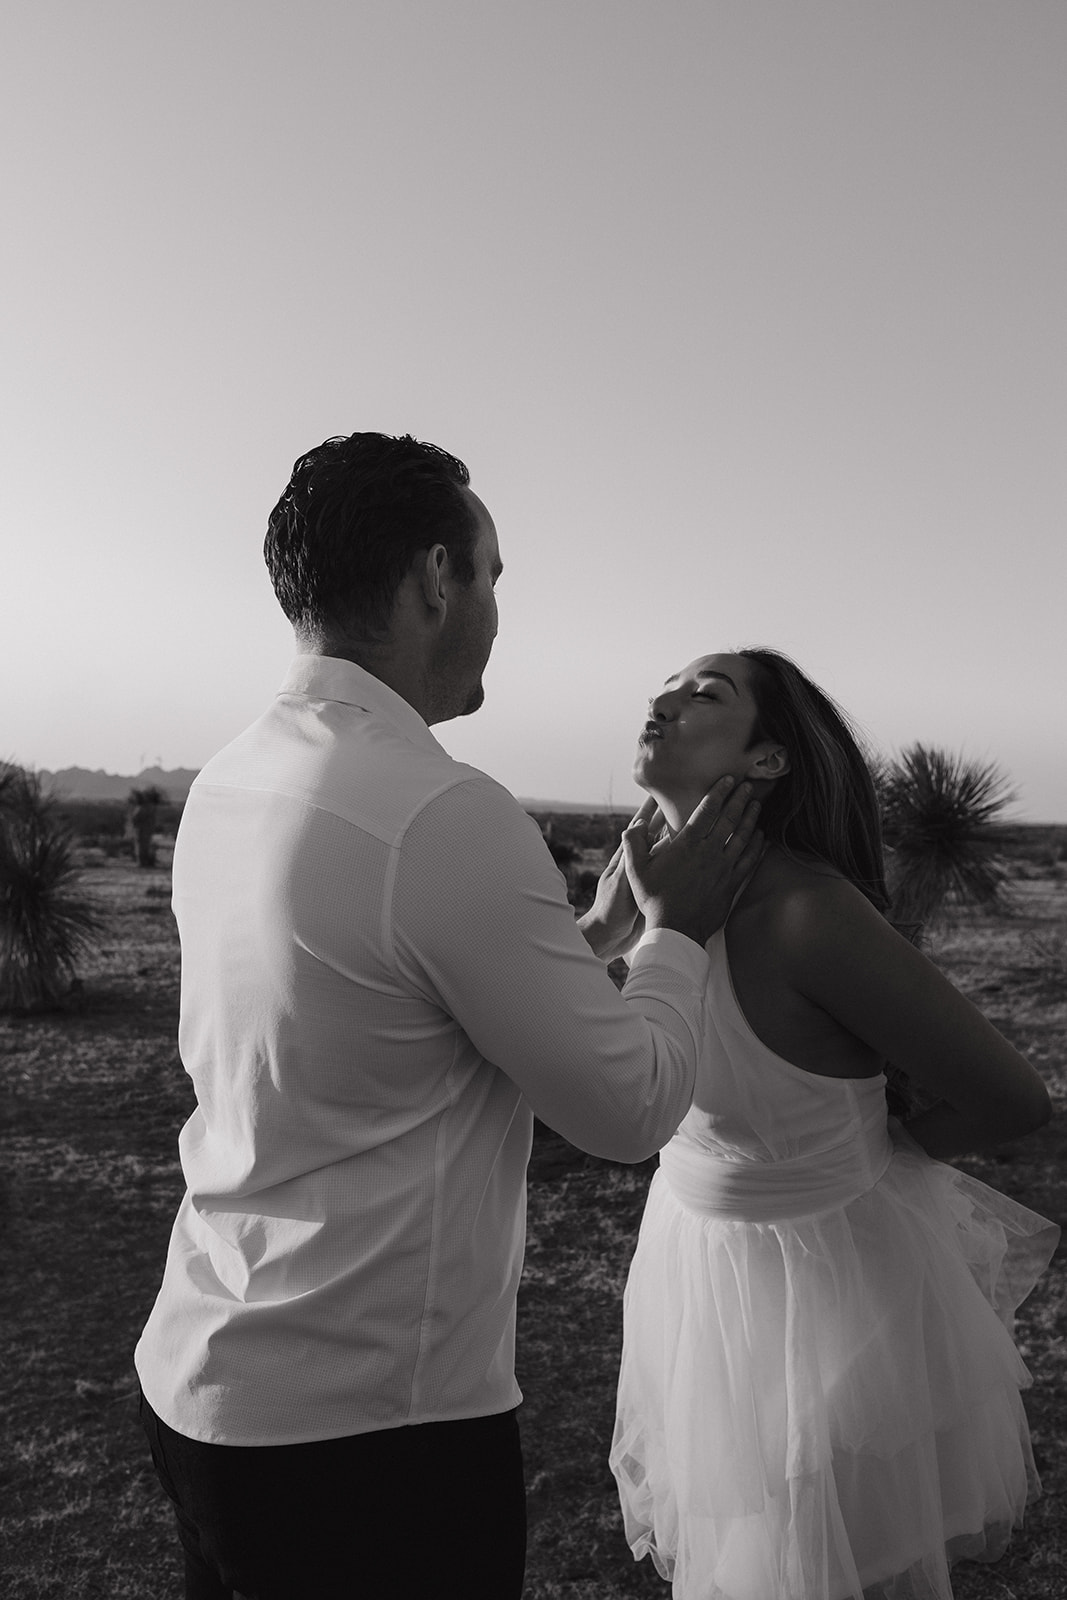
(427, 1512)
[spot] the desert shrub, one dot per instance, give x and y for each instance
(939, 814)
(144, 807)
(105, 825)
(45, 921)
(563, 853)
(96, 824)
(152, 796)
(586, 830)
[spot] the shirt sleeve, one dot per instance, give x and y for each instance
(481, 926)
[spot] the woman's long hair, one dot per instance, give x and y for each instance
(826, 805)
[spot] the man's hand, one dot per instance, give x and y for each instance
(688, 883)
(613, 922)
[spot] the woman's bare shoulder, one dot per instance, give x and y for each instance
(802, 914)
(796, 894)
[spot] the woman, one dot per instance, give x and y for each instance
(819, 1394)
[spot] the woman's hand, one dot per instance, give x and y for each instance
(613, 922)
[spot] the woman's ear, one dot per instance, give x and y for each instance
(772, 761)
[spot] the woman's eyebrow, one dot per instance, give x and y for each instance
(723, 675)
(706, 674)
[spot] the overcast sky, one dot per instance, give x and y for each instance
(749, 320)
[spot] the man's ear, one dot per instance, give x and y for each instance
(772, 761)
(432, 572)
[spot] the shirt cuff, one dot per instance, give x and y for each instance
(665, 947)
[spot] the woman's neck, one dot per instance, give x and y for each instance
(676, 809)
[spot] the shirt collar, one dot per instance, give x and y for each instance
(331, 678)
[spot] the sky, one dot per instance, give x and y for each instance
(749, 320)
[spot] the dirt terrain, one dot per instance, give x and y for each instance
(91, 1100)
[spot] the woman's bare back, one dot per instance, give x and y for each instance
(760, 938)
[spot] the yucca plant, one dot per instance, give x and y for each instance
(938, 811)
(144, 803)
(45, 922)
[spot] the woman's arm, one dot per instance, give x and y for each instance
(842, 955)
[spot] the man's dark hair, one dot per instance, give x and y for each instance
(355, 513)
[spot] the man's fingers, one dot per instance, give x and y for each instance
(720, 806)
(709, 810)
(646, 813)
(737, 813)
(743, 830)
(749, 858)
(634, 848)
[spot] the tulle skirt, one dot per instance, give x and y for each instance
(828, 1409)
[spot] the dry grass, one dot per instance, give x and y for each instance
(91, 1102)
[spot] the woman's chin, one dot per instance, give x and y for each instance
(658, 791)
(646, 779)
(640, 770)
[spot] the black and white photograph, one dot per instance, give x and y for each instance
(533, 800)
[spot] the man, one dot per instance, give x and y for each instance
(382, 983)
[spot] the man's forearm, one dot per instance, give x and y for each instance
(605, 943)
(596, 936)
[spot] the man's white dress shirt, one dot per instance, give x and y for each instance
(382, 982)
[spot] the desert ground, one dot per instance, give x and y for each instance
(91, 1100)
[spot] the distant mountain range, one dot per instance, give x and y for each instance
(584, 807)
(78, 783)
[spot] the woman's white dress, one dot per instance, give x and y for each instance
(819, 1392)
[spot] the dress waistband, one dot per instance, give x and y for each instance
(774, 1191)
